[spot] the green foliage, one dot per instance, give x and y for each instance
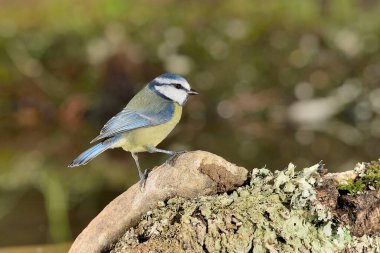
(372, 175)
(368, 180)
(352, 186)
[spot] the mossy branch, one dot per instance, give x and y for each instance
(263, 211)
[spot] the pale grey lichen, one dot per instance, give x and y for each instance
(275, 212)
(364, 244)
(360, 169)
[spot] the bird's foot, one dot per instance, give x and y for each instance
(174, 156)
(143, 178)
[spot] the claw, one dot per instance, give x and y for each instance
(173, 158)
(143, 178)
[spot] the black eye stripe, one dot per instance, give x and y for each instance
(153, 84)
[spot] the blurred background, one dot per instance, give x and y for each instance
(279, 82)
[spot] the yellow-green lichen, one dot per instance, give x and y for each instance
(368, 178)
(275, 212)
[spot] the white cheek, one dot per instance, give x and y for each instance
(182, 99)
(177, 95)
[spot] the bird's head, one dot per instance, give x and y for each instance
(172, 87)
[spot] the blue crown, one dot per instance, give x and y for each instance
(172, 76)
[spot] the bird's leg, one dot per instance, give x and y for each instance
(143, 176)
(152, 149)
(173, 154)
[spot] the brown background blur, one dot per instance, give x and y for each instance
(279, 82)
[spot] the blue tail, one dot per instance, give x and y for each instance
(94, 151)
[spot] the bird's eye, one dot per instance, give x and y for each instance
(178, 86)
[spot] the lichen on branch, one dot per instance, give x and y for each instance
(274, 212)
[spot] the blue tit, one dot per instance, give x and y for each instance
(146, 121)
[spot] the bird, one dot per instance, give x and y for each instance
(144, 122)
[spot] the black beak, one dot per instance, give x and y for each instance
(192, 92)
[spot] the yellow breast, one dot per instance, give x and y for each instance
(137, 140)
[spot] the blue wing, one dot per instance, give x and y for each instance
(128, 120)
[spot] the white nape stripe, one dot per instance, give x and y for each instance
(177, 95)
(184, 83)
